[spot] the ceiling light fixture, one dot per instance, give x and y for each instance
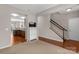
(14, 14)
(17, 20)
(22, 17)
(69, 9)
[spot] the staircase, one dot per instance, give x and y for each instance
(58, 29)
(63, 33)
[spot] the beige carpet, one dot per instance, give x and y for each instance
(38, 47)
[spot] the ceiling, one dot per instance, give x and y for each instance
(33, 8)
(62, 8)
(45, 8)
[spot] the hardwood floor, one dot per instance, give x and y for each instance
(51, 41)
(72, 45)
(18, 39)
(18, 36)
(68, 44)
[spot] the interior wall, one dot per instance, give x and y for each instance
(74, 31)
(60, 18)
(73, 25)
(5, 25)
(63, 20)
(5, 31)
(43, 28)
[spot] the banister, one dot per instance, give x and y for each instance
(57, 25)
(60, 27)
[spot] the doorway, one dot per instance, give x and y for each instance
(18, 28)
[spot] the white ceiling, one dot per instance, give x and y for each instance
(33, 8)
(45, 8)
(62, 8)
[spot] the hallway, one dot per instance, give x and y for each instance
(27, 22)
(39, 47)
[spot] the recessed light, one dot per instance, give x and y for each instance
(14, 14)
(17, 20)
(22, 17)
(68, 9)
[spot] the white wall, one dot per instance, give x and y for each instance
(5, 26)
(74, 31)
(74, 25)
(60, 18)
(63, 20)
(70, 21)
(5, 35)
(44, 31)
